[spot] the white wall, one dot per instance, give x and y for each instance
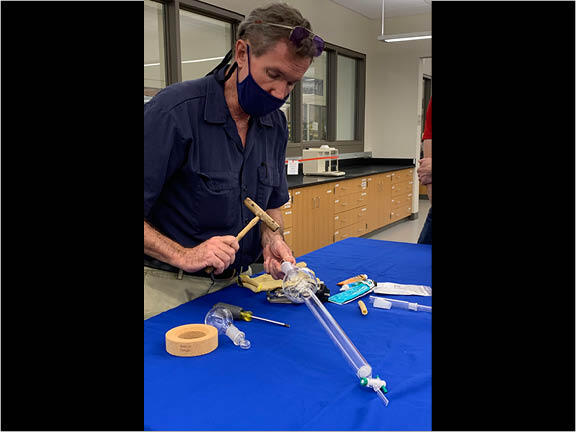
(392, 69)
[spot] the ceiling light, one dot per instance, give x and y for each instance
(188, 61)
(402, 37)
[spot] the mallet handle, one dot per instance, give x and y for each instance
(239, 237)
(247, 228)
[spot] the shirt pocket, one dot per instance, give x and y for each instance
(217, 195)
(268, 180)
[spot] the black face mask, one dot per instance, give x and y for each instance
(253, 99)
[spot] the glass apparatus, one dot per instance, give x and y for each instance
(299, 285)
(221, 318)
(388, 303)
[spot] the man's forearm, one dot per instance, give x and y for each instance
(161, 247)
(268, 236)
(427, 149)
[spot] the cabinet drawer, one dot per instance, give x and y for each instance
(401, 212)
(355, 230)
(350, 186)
(288, 238)
(287, 218)
(289, 203)
(351, 201)
(402, 188)
(401, 200)
(403, 175)
(350, 217)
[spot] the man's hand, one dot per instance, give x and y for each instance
(274, 253)
(425, 171)
(218, 252)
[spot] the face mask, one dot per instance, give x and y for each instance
(253, 99)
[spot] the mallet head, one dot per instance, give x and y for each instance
(264, 217)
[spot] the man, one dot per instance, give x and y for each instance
(209, 144)
(425, 173)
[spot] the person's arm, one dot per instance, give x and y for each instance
(275, 249)
(218, 252)
(425, 169)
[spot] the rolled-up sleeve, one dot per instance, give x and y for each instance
(160, 138)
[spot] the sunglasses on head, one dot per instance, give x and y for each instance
(298, 34)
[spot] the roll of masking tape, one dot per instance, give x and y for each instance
(191, 340)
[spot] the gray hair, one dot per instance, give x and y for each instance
(263, 37)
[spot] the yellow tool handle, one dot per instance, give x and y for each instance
(362, 307)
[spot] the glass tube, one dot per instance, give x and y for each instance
(298, 285)
(361, 367)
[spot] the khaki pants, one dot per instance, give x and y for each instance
(165, 290)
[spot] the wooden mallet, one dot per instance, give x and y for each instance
(261, 215)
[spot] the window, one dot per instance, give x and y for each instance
(346, 99)
(314, 101)
(287, 109)
(154, 60)
(185, 39)
(203, 44)
(328, 103)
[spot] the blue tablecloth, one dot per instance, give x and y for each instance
(296, 378)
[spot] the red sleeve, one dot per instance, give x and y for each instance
(428, 124)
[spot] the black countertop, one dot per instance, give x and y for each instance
(353, 168)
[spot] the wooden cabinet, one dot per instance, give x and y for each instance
(402, 183)
(319, 215)
(355, 230)
(350, 208)
(287, 219)
(350, 217)
(348, 202)
(379, 191)
(313, 218)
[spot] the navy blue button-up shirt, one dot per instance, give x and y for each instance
(197, 173)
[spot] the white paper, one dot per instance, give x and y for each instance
(292, 167)
(401, 289)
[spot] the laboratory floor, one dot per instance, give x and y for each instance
(406, 231)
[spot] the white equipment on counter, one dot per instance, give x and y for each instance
(324, 161)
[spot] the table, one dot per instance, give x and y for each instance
(296, 378)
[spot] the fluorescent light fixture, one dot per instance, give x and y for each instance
(401, 37)
(189, 61)
(203, 60)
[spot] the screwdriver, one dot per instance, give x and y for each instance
(240, 314)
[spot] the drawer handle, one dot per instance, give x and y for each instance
(288, 212)
(287, 232)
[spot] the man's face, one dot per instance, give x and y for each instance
(276, 71)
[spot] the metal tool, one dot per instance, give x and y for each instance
(243, 315)
(261, 215)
